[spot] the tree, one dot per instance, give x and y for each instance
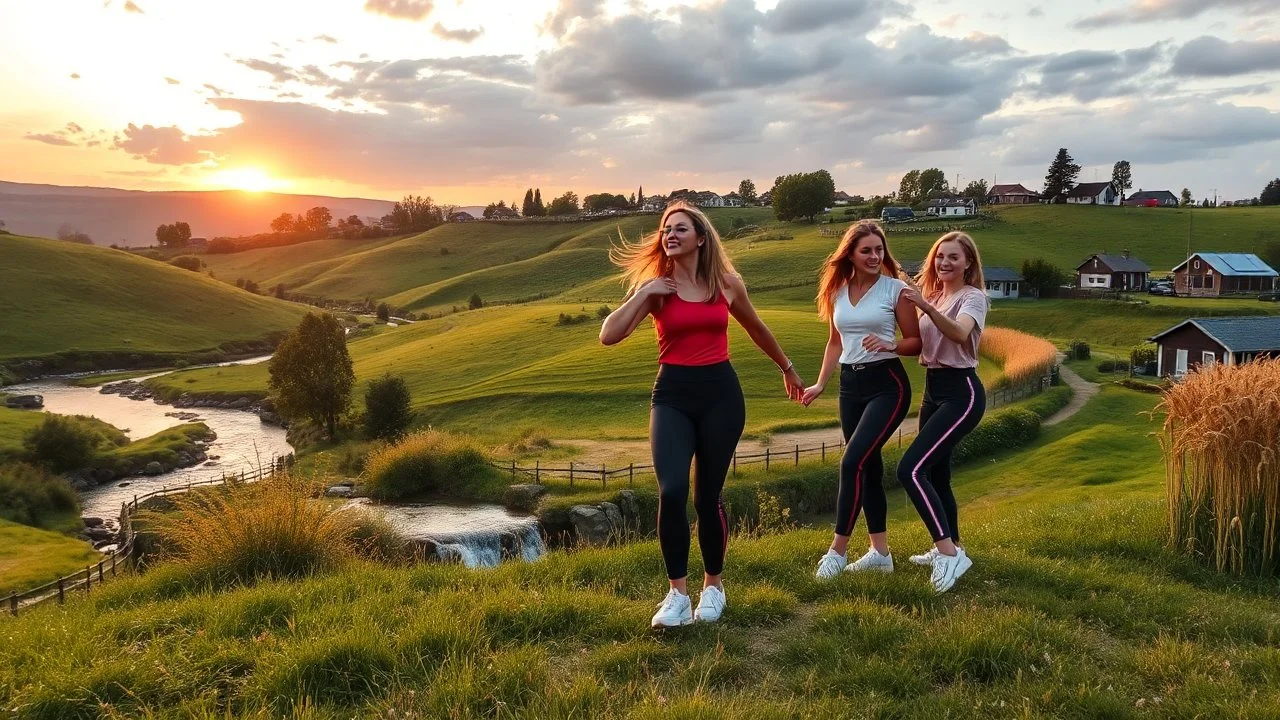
(803, 195)
(1062, 175)
(909, 188)
(632, 202)
(527, 209)
(384, 313)
(283, 223)
(318, 218)
(311, 373)
(1122, 177)
(413, 214)
(976, 189)
(187, 262)
(640, 197)
(69, 233)
(386, 408)
(601, 201)
(61, 443)
(1270, 195)
(1271, 253)
(475, 303)
(566, 204)
(538, 208)
(933, 184)
(747, 190)
(1185, 198)
(175, 235)
(220, 246)
(489, 210)
(1043, 276)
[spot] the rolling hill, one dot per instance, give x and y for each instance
(59, 297)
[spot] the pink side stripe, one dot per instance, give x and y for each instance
(724, 527)
(857, 479)
(973, 396)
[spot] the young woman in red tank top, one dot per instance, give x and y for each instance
(682, 277)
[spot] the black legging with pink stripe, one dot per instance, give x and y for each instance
(954, 401)
(873, 401)
(697, 414)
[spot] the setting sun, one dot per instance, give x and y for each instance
(249, 179)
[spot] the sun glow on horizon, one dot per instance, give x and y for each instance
(248, 179)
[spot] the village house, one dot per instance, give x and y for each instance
(1112, 272)
(952, 207)
(1011, 195)
(841, 198)
(1201, 341)
(461, 216)
(1151, 198)
(1217, 274)
(1003, 283)
(1098, 193)
(733, 199)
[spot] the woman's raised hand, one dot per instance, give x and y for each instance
(658, 286)
(912, 292)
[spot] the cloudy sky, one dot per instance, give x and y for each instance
(471, 101)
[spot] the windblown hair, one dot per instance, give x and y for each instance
(931, 286)
(646, 259)
(838, 268)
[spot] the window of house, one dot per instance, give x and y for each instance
(1208, 358)
(1197, 281)
(1208, 280)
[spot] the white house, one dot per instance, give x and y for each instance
(706, 198)
(733, 199)
(958, 207)
(1002, 283)
(1099, 193)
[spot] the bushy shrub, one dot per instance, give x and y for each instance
(475, 302)
(61, 443)
(187, 262)
(1108, 366)
(603, 311)
(431, 462)
(566, 319)
(34, 496)
(1078, 350)
(1142, 355)
(1011, 428)
(383, 312)
(386, 408)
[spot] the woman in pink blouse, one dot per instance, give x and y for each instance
(953, 307)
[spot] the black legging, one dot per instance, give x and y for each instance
(954, 401)
(873, 400)
(697, 414)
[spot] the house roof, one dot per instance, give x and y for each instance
(1118, 263)
(1154, 195)
(951, 202)
(995, 273)
(841, 195)
(1234, 264)
(1236, 334)
(1088, 189)
(1014, 189)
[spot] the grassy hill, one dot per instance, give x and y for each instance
(57, 297)
(1074, 609)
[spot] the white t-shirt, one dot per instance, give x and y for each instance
(873, 315)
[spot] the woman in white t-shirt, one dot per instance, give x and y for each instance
(953, 309)
(860, 297)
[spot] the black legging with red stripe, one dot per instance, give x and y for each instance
(697, 414)
(873, 401)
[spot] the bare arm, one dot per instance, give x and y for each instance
(957, 330)
(741, 309)
(909, 323)
(624, 321)
(830, 359)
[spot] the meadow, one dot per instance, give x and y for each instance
(1050, 622)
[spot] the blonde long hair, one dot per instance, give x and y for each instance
(645, 259)
(931, 286)
(838, 269)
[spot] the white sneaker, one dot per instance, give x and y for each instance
(710, 605)
(948, 568)
(925, 558)
(674, 610)
(873, 560)
(830, 565)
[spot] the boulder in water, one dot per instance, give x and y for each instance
(25, 402)
(153, 468)
(340, 491)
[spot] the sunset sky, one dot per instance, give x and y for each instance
(472, 101)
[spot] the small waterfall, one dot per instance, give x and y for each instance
(487, 549)
(478, 536)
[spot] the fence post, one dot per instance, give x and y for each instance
(603, 482)
(570, 473)
(631, 475)
(537, 471)
(797, 454)
(824, 451)
(766, 459)
(513, 469)
(735, 464)
(135, 501)
(13, 605)
(100, 578)
(88, 578)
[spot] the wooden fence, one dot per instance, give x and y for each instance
(124, 556)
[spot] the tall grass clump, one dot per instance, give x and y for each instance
(1024, 357)
(34, 496)
(1221, 437)
(276, 528)
(430, 463)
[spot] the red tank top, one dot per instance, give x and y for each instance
(692, 333)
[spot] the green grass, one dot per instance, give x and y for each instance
(97, 379)
(30, 556)
(59, 297)
(1073, 609)
(14, 426)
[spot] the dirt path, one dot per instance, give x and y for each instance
(1082, 392)
(615, 452)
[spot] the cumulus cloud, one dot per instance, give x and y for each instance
(160, 145)
(463, 35)
(1089, 75)
(1208, 56)
(558, 21)
(50, 139)
(402, 9)
(1147, 11)
(802, 16)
